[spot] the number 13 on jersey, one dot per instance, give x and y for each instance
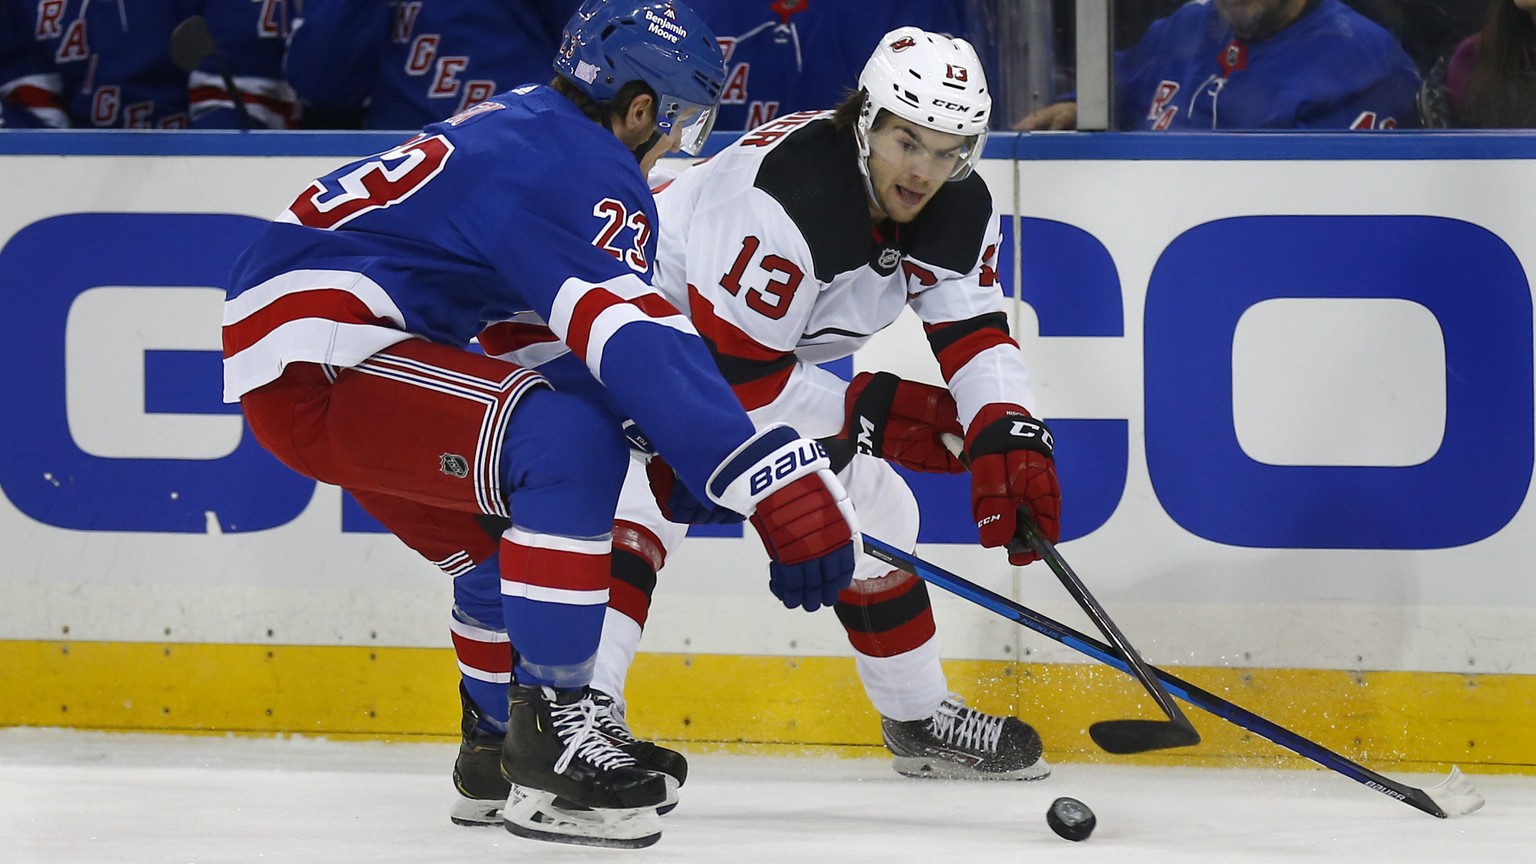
(773, 298)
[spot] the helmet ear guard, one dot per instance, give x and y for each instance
(932, 80)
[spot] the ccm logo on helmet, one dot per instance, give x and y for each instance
(948, 106)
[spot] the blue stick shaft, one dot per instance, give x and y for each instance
(1191, 694)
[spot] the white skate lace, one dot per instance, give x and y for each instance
(960, 726)
(611, 719)
(577, 725)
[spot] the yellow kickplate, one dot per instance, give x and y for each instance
(1386, 720)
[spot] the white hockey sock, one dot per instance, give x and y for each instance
(907, 686)
(615, 653)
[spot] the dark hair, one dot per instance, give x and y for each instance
(1501, 93)
(846, 114)
(600, 112)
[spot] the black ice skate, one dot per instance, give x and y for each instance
(477, 771)
(570, 784)
(670, 764)
(960, 743)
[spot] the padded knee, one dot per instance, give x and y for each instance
(563, 464)
(886, 616)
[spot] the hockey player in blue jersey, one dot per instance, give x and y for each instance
(346, 334)
(1258, 64)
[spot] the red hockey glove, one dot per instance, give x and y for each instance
(678, 503)
(891, 418)
(1011, 467)
(799, 509)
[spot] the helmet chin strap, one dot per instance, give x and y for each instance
(645, 147)
(861, 138)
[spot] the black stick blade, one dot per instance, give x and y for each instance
(1123, 737)
(191, 43)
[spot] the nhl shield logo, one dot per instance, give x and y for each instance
(454, 465)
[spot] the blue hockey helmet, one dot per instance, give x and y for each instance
(609, 43)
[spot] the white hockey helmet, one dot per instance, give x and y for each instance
(933, 80)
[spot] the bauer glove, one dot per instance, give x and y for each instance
(800, 511)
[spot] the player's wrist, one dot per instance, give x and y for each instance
(1001, 427)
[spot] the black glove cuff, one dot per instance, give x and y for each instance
(1013, 432)
(870, 410)
(839, 450)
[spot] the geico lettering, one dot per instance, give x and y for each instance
(58, 470)
(1192, 313)
(89, 459)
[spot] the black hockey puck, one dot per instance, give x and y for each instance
(1070, 818)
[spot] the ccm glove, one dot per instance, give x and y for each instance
(1012, 467)
(891, 418)
(799, 510)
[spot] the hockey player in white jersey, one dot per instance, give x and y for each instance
(792, 247)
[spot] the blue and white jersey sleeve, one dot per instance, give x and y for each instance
(580, 246)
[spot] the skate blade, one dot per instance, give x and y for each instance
(673, 796)
(537, 815)
(475, 812)
(930, 768)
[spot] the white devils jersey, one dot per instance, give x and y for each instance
(769, 248)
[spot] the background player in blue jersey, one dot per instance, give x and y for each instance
(107, 64)
(1257, 64)
(783, 56)
(406, 63)
(345, 340)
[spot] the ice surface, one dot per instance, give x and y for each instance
(72, 797)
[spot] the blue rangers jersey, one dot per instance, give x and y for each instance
(520, 209)
(107, 64)
(401, 64)
(1330, 69)
(783, 56)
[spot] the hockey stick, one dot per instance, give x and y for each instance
(1115, 736)
(191, 43)
(1453, 796)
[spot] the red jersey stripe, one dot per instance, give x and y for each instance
(332, 304)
